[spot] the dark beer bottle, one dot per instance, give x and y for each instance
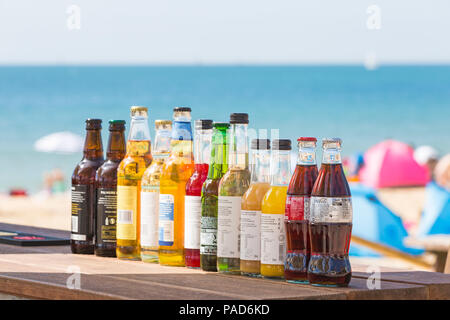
(106, 184)
(83, 190)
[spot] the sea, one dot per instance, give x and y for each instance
(362, 107)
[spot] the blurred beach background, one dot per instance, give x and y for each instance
(354, 70)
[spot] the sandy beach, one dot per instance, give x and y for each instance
(53, 212)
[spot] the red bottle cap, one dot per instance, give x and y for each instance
(312, 139)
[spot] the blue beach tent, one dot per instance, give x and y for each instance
(436, 214)
(375, 222)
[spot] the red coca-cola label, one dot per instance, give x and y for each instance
(297, 207)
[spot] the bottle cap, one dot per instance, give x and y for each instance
(281, 144)
(239, 118)
(307, 139)
(331, 140)
(182, 109)
(260, 144)
(92, 124)
(221, 125)
(203, 124)
(117, 124)
(163, 122)
(138, 108)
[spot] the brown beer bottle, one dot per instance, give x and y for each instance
(106, 184)
(83, 190)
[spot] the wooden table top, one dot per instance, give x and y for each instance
(43, 273)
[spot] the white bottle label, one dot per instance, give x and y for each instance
(149, 219)
(192, 215)
(273, 239)
(250, 235)
(166, 224)
(331, 210)
(228, 224)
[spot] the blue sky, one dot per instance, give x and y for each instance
(223, 32)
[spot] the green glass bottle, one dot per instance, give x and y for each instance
(217, 168)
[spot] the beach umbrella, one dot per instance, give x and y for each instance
(391, 164)
(60, 142)
(442, 172)
(373, 221)
(436, 213)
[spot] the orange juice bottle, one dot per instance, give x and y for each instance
(251, 208)
(129, 174)
(176, 171)
(273, 236)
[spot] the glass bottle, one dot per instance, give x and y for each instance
(210, 190)
(129, 175)
(193, 199)
(330, 221)
(106, 185)
(251, 208)
(297, 211)
(150, 192)
(176, 171)
(273, 236)
(83, 190)
(232, 187)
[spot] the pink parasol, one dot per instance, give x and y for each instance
(391, 164)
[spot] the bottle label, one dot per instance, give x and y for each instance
(149, 218)
(127, 212)
(208, 236)
(331, 210)
(273, 239)
(228, 225)
(250, 235)
(166, 223)
(297, 208)
(307, 158)
(192, 213)
(80, 212)
(106, 215)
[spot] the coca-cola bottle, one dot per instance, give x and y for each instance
(330, 221)
(297, 211)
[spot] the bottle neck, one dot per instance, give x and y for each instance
(202, 146)
(260, 170)
(238, 147)
(331, 156)
(306, 154)
(93, 146)
(161, 148)
(280, 168)
(181, 130)
(219, 155)
(116, 145)
(139, 130)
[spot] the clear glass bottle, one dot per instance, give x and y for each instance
(193, 199)
(177, 170)
(251, 208)
(273, 236)
(129, 175)
(218, 166)
(330, 221)
(150, 192)
(232, 187)
(297, 210)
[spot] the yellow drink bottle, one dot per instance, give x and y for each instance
(129, 174)
(150, 192)
(176, 171)
(251, 208)
(273, 235)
